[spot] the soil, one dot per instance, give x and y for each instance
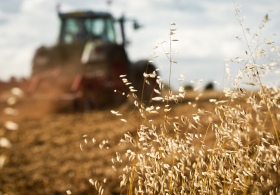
(63, 153)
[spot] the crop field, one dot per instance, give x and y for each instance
(70, 152)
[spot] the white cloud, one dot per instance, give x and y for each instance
(10, 6)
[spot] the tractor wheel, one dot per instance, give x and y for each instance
(118, 65)
(144, 86)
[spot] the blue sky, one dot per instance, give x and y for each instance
(207, 32)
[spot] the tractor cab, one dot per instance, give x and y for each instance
(85, 26)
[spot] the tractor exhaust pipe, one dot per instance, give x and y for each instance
(122, 21)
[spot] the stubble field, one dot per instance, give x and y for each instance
(60, 153)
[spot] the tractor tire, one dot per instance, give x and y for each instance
(118, 65)
(145, 92)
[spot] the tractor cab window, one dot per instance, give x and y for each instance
(83, 29)
(101, 28)
(72, 30)
(111, 30)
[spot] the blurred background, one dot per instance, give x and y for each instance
(207, 32)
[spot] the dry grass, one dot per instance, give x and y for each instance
(231, 150)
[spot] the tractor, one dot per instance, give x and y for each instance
(85, 64)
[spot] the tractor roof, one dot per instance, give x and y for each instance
(84, 14)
